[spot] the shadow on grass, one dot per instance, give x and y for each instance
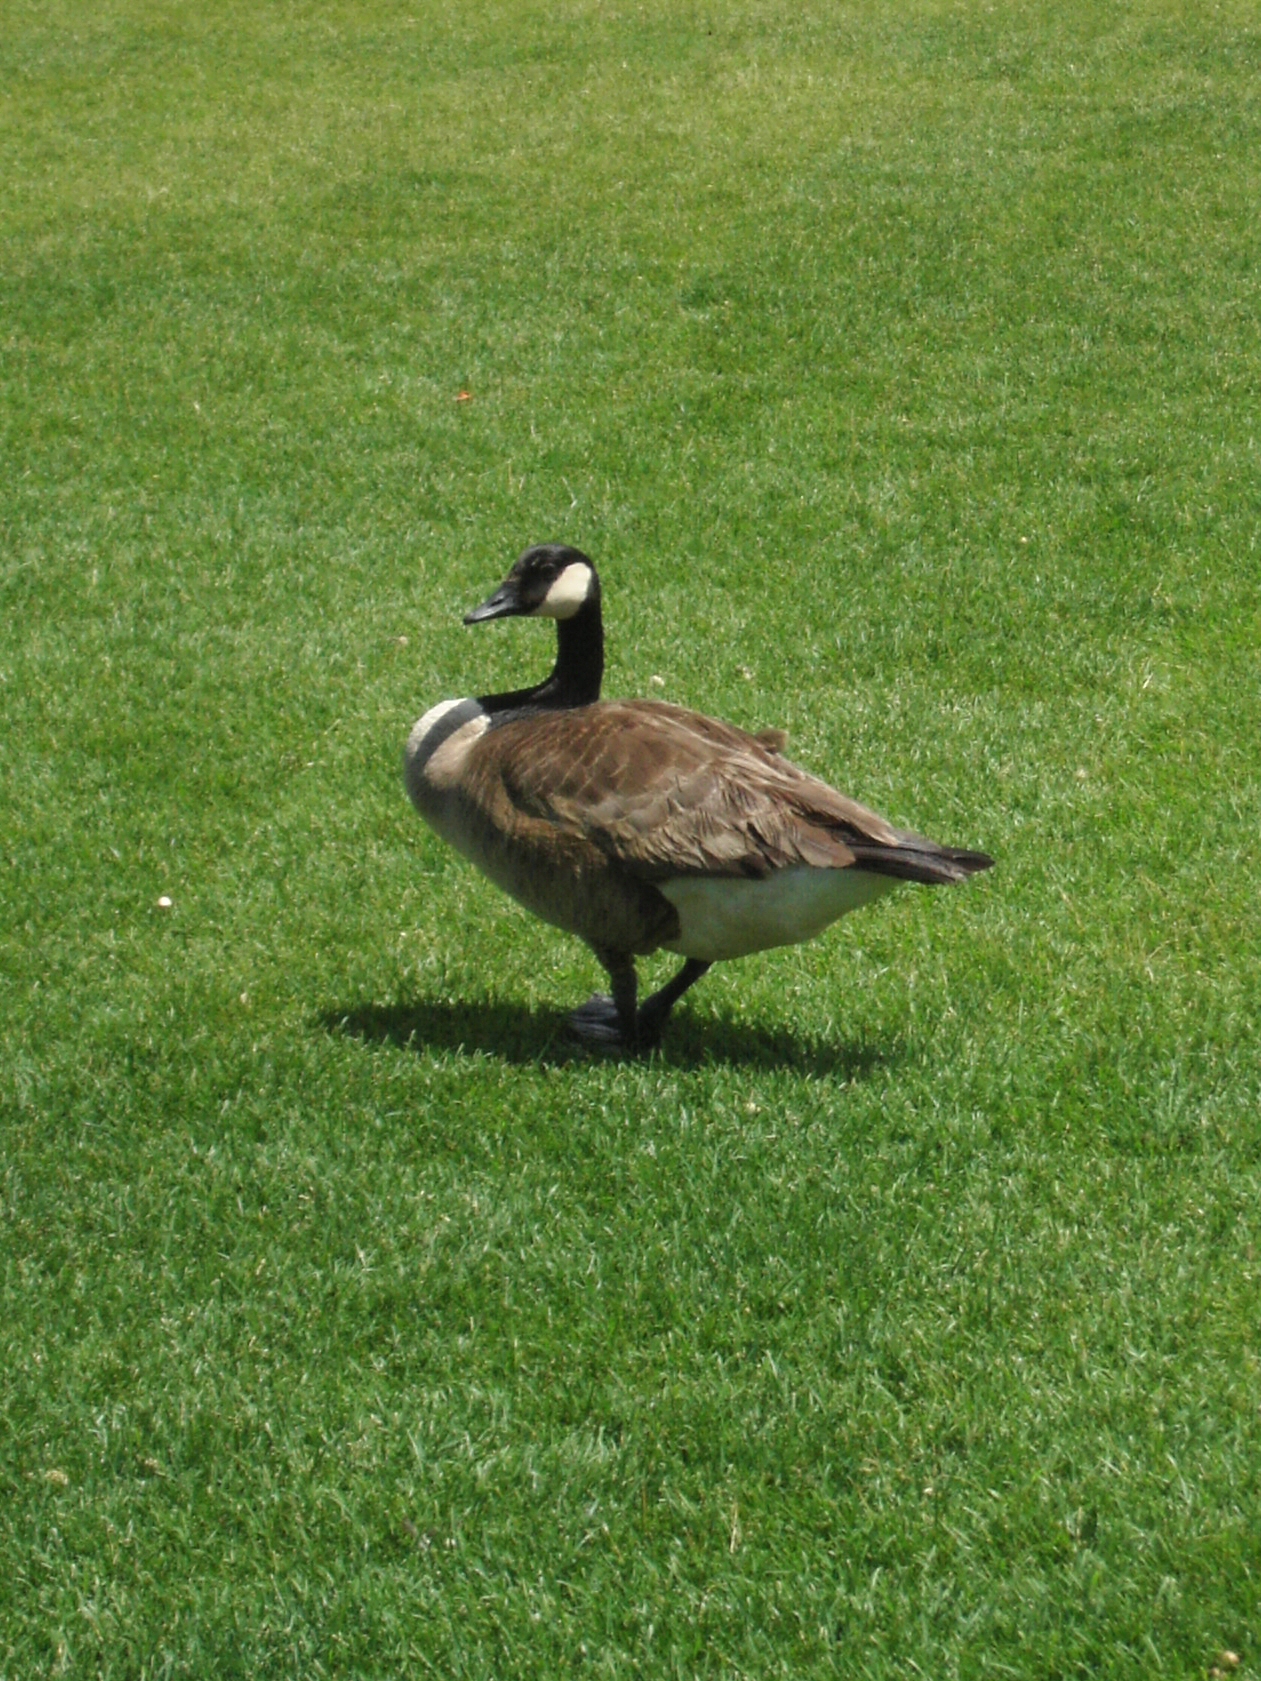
(521, 1035)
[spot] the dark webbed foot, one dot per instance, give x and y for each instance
(617, 1022)
(611, 1022)
(597, 1021)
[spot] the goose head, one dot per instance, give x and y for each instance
(549, 581)
(553, 581)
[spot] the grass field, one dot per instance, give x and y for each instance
(899, 364)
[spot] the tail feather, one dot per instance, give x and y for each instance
(917, 859)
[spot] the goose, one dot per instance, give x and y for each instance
(639, 825)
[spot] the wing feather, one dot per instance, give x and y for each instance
(665, 792)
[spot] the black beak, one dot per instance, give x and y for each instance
(502, 605)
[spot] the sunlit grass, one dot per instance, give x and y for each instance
(899, 367)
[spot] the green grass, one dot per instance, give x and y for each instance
(899, 364)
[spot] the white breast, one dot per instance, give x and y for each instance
(725, 916)
(434, 759)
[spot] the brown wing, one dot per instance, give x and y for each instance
(667, 792)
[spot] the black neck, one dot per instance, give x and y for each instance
(576, 676)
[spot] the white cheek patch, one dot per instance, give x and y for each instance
(566, 595)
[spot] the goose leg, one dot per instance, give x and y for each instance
(653, 1011)
(616, 1020)
(605, 1020)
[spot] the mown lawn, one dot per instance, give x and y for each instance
(899, 364)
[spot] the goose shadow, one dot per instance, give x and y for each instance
(518, 1033)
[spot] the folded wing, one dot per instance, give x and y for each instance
(665, 792)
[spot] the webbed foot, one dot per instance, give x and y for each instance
(597, 1021)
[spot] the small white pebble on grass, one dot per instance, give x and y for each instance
(164, 903)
